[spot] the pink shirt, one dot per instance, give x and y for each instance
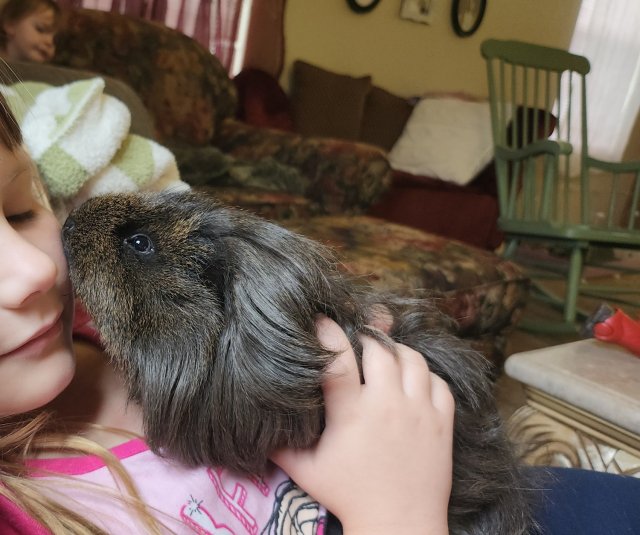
(14, 521)
(186, 500)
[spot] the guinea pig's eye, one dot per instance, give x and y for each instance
(140, 243)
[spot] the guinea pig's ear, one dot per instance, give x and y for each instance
(215, 276)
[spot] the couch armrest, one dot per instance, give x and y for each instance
(343, 177)
(184, 87)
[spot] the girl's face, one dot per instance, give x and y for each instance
(36, 352)
(31, 38)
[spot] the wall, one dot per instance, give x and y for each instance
(410, 58)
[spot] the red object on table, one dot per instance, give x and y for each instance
(619, 329)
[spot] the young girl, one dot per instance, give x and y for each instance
(382, 465)
(27, 30)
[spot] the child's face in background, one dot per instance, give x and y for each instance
(36, 352)
(31, 38)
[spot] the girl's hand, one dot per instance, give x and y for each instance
(384, 461)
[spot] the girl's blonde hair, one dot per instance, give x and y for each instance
(25, 436)
(10, 133)
(15, 10)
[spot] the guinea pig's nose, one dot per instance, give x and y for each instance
(68, 227)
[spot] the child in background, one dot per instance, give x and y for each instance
(27, 30)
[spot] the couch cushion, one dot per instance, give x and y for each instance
(275, 205)
(415, 202)
(327, 104)
(341, 176)
(483, 292)
(384, 118)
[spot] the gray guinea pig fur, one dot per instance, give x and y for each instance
(210, 314)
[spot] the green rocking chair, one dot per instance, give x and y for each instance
(567, 202)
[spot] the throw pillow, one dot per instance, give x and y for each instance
(446, 138)
(385, 116)
(261, 100)
(327, 104)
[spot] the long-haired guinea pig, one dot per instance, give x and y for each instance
(210, 314)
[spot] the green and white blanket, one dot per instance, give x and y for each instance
(79, 138)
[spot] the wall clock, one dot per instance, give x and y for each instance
(362, 6)
(466, 16)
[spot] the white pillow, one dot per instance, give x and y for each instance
(445, 138)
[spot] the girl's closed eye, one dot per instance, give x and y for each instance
(21, 217)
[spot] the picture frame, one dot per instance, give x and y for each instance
(467, 15)
(362, 6)
(417, 11)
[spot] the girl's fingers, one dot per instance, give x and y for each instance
(441, 396)
(416, 381)
(379, 365)
(420, 383)
(408, 372)
(405, 371)
(342, 380)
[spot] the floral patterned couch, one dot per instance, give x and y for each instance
(318, 186)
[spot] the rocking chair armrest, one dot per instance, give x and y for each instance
(544, 146)
(614, 167)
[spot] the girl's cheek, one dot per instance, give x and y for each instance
(45, 235)
(53, 247)
(55, 250)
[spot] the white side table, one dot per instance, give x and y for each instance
(582, 408)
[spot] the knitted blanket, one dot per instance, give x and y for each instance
(79, 138)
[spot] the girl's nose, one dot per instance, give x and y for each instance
(25, 270)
